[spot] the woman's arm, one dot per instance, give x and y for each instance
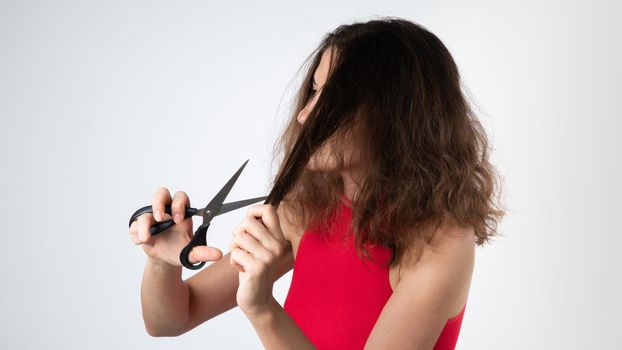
(261, 248)
(164, 298)
(172, 306)
(277, 330)
(418, 309)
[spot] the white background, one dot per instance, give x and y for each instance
(101, 102)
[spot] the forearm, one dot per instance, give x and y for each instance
(277, 330)
(164, 298)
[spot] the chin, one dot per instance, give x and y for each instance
(323, 168)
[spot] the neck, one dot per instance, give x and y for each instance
(350, 185)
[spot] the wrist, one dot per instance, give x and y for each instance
(161, 266)
(265, 313)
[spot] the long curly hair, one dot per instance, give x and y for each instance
(394, 92)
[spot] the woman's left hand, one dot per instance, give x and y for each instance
(256, 250)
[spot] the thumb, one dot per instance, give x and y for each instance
(204, 253)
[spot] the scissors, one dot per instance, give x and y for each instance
(213, 209)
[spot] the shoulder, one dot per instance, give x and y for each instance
(448, 240)
(449, 258)
(428, 294)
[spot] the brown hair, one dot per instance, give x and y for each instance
(396, 89)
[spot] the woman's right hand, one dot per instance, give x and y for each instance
(167, 245)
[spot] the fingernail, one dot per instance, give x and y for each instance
(177, 218)
(158, 215)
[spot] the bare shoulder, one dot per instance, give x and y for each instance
(451, 237)
(447, 262)
(448, 240)
(429, 293)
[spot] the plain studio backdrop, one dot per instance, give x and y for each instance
(102, 102)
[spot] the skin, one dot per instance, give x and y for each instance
(263, 249)
(321, 159)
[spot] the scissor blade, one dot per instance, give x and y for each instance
(227, 207)
(215, 204)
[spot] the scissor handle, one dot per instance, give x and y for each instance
(199, 239)
(163, 225)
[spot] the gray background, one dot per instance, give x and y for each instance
(101, 102)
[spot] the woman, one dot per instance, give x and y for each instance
(384, 191)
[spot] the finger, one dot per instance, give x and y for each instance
(180, 202)
(135, 240)
(134, 228)
(161, 197)
(241, 258)
(268, 215)
(259, 232)
(204, 253)
(134, 234)
(144, 224)
(251, 245)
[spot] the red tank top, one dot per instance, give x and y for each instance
(335, 297)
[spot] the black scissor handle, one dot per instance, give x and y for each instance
(199, 239)
(160, 226)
